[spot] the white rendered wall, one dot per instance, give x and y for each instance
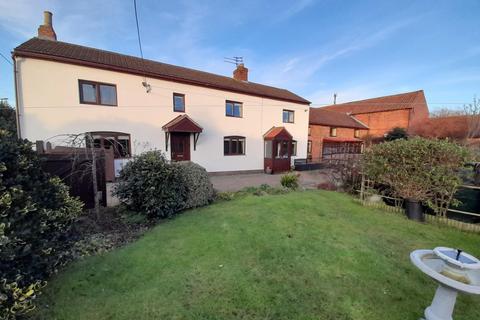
(49, 106)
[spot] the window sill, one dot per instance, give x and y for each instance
(98, 104)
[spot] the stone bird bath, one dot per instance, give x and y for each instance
(454, 270)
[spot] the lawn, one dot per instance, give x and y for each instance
(303, 255)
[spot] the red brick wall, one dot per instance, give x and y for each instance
(382, 122)
(317, 133)
(419, 114)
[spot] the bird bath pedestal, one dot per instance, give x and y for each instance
(454, 270)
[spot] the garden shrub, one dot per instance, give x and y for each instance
(151, 185)
(344, 175)
(8, 119)
(36, 215)
(396, 133)
(290, 181)
(418, 169)
(199, 189)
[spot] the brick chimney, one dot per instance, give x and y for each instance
(241, 73)
(45, 31)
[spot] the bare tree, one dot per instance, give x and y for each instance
(446, 112)
(472, 110)
(79, 148)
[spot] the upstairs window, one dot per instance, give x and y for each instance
(178, 102)
(233, 109)
(356, 133)
(333, 132)
(97, 93)
(233, 146)
(288, 116)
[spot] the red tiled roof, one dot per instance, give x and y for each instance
(276, 131)
(387, 103)
(324, 117)
(182, 123)
(86, 56)
(455, 127)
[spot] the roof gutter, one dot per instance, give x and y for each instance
(362, 127)
(35, 55)
(17, 110)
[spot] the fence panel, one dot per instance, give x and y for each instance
(365, 193)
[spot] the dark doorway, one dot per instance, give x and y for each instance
(180, 146)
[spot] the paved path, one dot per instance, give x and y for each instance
(235, 182)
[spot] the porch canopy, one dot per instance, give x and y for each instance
(278, 149)
(182, 123)
(277, 133)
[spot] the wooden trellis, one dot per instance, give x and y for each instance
(367, 190)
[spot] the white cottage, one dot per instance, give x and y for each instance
(135, 105)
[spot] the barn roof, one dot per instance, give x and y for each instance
(400, 101)
(320, 116)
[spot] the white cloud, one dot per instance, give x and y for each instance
(298, 69)
(292, 10)
(16, 17)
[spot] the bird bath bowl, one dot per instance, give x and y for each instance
(454, 270)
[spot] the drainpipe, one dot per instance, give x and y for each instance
(17, 108)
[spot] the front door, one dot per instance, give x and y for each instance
(180, 146)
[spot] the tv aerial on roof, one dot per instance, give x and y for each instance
(235, 60)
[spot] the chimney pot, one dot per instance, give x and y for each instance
(45, 31)
(240, 73)
(47, 18)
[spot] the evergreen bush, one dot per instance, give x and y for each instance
(151, 185)
(418, 169)
(36, 215)
(199, 189)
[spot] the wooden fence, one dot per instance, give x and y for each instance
(364, 194)
(72, 172)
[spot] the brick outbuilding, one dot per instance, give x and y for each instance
(333, 135)
(381, 114)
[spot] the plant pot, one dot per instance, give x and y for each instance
(374, 198)
(268, 170)
(414, 210)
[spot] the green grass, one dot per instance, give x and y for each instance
(302, 255)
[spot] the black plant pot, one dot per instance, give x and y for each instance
(414, 210)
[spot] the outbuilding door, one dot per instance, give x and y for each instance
(180, 146)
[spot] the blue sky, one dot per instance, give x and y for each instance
(359, 49)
